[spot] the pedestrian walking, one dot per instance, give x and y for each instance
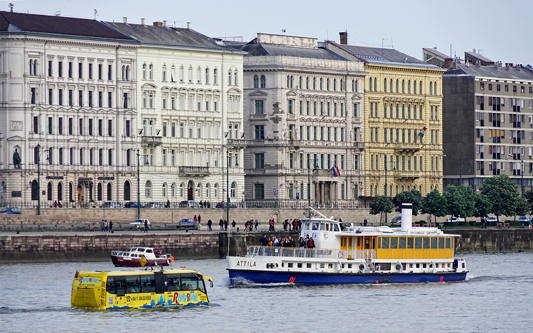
(199, 219)
(110, 226)
(209, 224)
(256, 224)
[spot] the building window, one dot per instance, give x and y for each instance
(259, 160)
(259, 107)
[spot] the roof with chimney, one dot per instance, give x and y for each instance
(436, 53)
(382, 56)
(158, 34)
(12, 22)
(474, 57)
(507, 72)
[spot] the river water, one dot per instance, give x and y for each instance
(496, 296)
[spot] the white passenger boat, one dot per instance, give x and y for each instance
(140, 257)
(356, 254)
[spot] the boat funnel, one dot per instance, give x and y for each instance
(407, 216)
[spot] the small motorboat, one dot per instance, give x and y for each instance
(141, 257)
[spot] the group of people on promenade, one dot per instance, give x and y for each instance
(105, 226)
(307, 242)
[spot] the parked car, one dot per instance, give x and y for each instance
(132, 205)
(187, 224)
(524, 219)
(155, 205)
(11, 210)
(189, 204)
(112, 205)
(456, 219)
(492, 219)
(139, 223)
(396, 221)
(231, 205)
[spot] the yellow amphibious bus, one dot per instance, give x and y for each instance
(140, 289)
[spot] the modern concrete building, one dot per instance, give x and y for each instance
(190, 105)
(303, 116)
(488, 121)
(67, 110)
(403, 121)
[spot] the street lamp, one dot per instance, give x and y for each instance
(21, 188)
(173, 186)
(103, 204)
(39, 179)
(138, 186)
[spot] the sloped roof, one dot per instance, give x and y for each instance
(511, 73)
(255, 49)
(160, 35)
(478, 56)
(69, 26)
(381, 55)
(436, 53)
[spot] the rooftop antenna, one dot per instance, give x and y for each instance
(95, 13)
(11, 5)
(392, 43)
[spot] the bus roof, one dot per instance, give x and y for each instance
(136, 272)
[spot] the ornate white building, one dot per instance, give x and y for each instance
(190, 105)
(304, 120)
(67, 105)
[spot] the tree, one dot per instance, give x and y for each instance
(502, 193)
(412, 197)
(435, 204)
(522, 207)
(482, 205)
(455, 201)
(470, 203)
(529, 196)
(379, 205)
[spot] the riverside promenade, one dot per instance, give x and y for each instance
(54, 237)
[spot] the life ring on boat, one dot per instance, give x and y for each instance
(398, 267)
(171, 258)
(341, 255)
(376, 267)
(362, 268)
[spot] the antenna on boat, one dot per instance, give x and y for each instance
(320, 214)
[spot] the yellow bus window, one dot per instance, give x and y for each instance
(394, 242)
(409, 242)
(385, 242)
(433, 242)
(418, 242)
(401, 242)
(441, 242)
(426, 242)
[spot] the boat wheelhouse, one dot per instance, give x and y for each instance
(355, 255)
(140, 257)
(136, 289)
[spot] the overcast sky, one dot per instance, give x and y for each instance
(501, 29)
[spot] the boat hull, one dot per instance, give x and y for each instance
(136, 262)
(303, 278)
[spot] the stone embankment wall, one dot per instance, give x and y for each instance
(91, 246)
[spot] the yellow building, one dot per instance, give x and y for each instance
(403, 100)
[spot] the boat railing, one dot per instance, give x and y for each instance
(272, 251)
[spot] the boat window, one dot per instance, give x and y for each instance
(133, 249)
(149, 251)
(330, 265)
(426, 242)
(327, 226)
(306, 226)
(315, 226)
(433, 242)
(336, 227)
(367, 243)
(441, 242)
(401, 243)
(394, 242)
(147, 283)
(409, 242)
(189, 282)
(322, 265)
(289, 265)
(299, 265)
(349, 265)
(350, 242)
(417, 265)
(133, 284)
(308, 265)
(448, 243)
(385, 242)
(322, 226)
(418, 242)
(379, 242)
(110, 285)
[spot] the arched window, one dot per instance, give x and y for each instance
(307, 83)
(321, 85)
(256, 81)
(409, 86)
(263, 81)
(327, 84)
(151, 72)
(403, 86)
(431, 88)
(288, 81)
(215, 76)
(49, 191)
(164, 76)
(127, 190)
(385, 85)
(109, 192)
(334, 84)
(34, 190)
(182, 187)
(397, 85)
(164, 189)
(199, 75)
(148, 189)
(207, 76)
(233, 192)
(99, 192)
(199, 190)
(144, 71)
(216, 190)
(370, 84)
(229, 77)
(300, 83)
(236, 77)
(207, 188)
(435, 88)
(420, 90)
(414, 87)
(59, 192)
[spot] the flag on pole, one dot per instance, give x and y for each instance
(334, 172)
(458, 247)
(422, 132)
(338, 172)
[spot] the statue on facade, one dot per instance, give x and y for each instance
(16, 159)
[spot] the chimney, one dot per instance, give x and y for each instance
(189, 25)
(164, 23)
(158, 24)
(343, 37)
(125, 19)
(142, 21)
(407, 216)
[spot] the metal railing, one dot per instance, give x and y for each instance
(272, 251)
